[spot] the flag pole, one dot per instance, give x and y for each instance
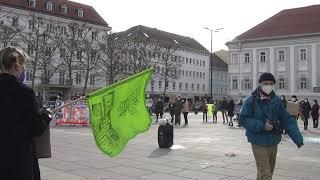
(68, 104)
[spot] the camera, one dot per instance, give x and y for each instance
(276, 127)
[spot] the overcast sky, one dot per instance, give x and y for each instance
(189, 17)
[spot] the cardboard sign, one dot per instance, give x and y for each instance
(293, 108)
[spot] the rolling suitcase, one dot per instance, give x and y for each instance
(165, 135)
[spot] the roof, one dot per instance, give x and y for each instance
(218, 62)
(89, 13)
(290, 22)
(223, 55)
(159, 35)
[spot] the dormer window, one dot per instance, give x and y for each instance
(49, 6)
(80, 12)
(64, 9)
(32, 3)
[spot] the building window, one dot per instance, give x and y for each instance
(174, 85)
(160, 84)
(48, 51)
(200, 74)
(197, 62)
(234, 59)
(93, 56)
(186, 86)
(78, 78)
(303, 81)
(79, 54)
(80, 12)
(234, 84)
(197, 74)
(192, 87)
(94, 35)
(263, 57)
(190, 73)
(187, 73)
(167, 85)
(180, 86)
(204, 63)
(194, 61)
(190, 61)
(92, 80)
(62, 53)
(203, 87)
(247, 85)
(31, 25)
(32, 3)
(303, 54)
(49, 6)
(200, 63)
(152, 83)
(281, 55)
(281, 82)
(198, 87)
(246, 58)
(194, 74)
(204, 75)
(28, 75)
(187, 60)
(64, 9)
(15, 21)
(30, 49)
(61, 77)
(182, 72)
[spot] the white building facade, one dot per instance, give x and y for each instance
(293, 58)
(62, 13)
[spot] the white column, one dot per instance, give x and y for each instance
(254, 69)
(272, 70)
(314, 65)
(292, 70)
(240, 73)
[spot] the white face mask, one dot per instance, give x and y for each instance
(267, 88)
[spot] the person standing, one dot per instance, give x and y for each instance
(159, 109)
(224, 107)
(263, 116)
(185, 110)
(231, 111)
(177, 112)
(204, 110)
(315, 114)
(21, 120)
(214, 112)
(306, 108)
(171, 108)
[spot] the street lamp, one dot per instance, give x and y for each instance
(211, 31)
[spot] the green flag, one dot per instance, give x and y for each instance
(118, 113)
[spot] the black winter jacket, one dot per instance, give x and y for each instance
(20, 123)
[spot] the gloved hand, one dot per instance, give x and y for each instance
(45, 115)
(300, 145)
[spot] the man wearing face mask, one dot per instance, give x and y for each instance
(264, 117)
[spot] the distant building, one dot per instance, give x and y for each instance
(287, 45)
(194, 72)
(219, 76)
(63, 12)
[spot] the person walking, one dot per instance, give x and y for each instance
(21, 120)
(224, 107)
(177, 111)
(306, 108)
(315, 114)
(185, 110)
(159, 109)
(263, 116)
(230, 108)
(171, 108)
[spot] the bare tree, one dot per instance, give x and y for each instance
(71, 39)
(89, 61)
(168, 62)
(140, 50)
(9, 29)
(113, 57)
(36, 42)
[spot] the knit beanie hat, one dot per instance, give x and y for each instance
(267, 77)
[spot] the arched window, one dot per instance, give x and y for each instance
(80, 12)
(64, 9)
(49, 6)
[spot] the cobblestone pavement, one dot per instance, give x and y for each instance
(201, 151)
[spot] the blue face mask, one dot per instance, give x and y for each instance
(22, 76)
